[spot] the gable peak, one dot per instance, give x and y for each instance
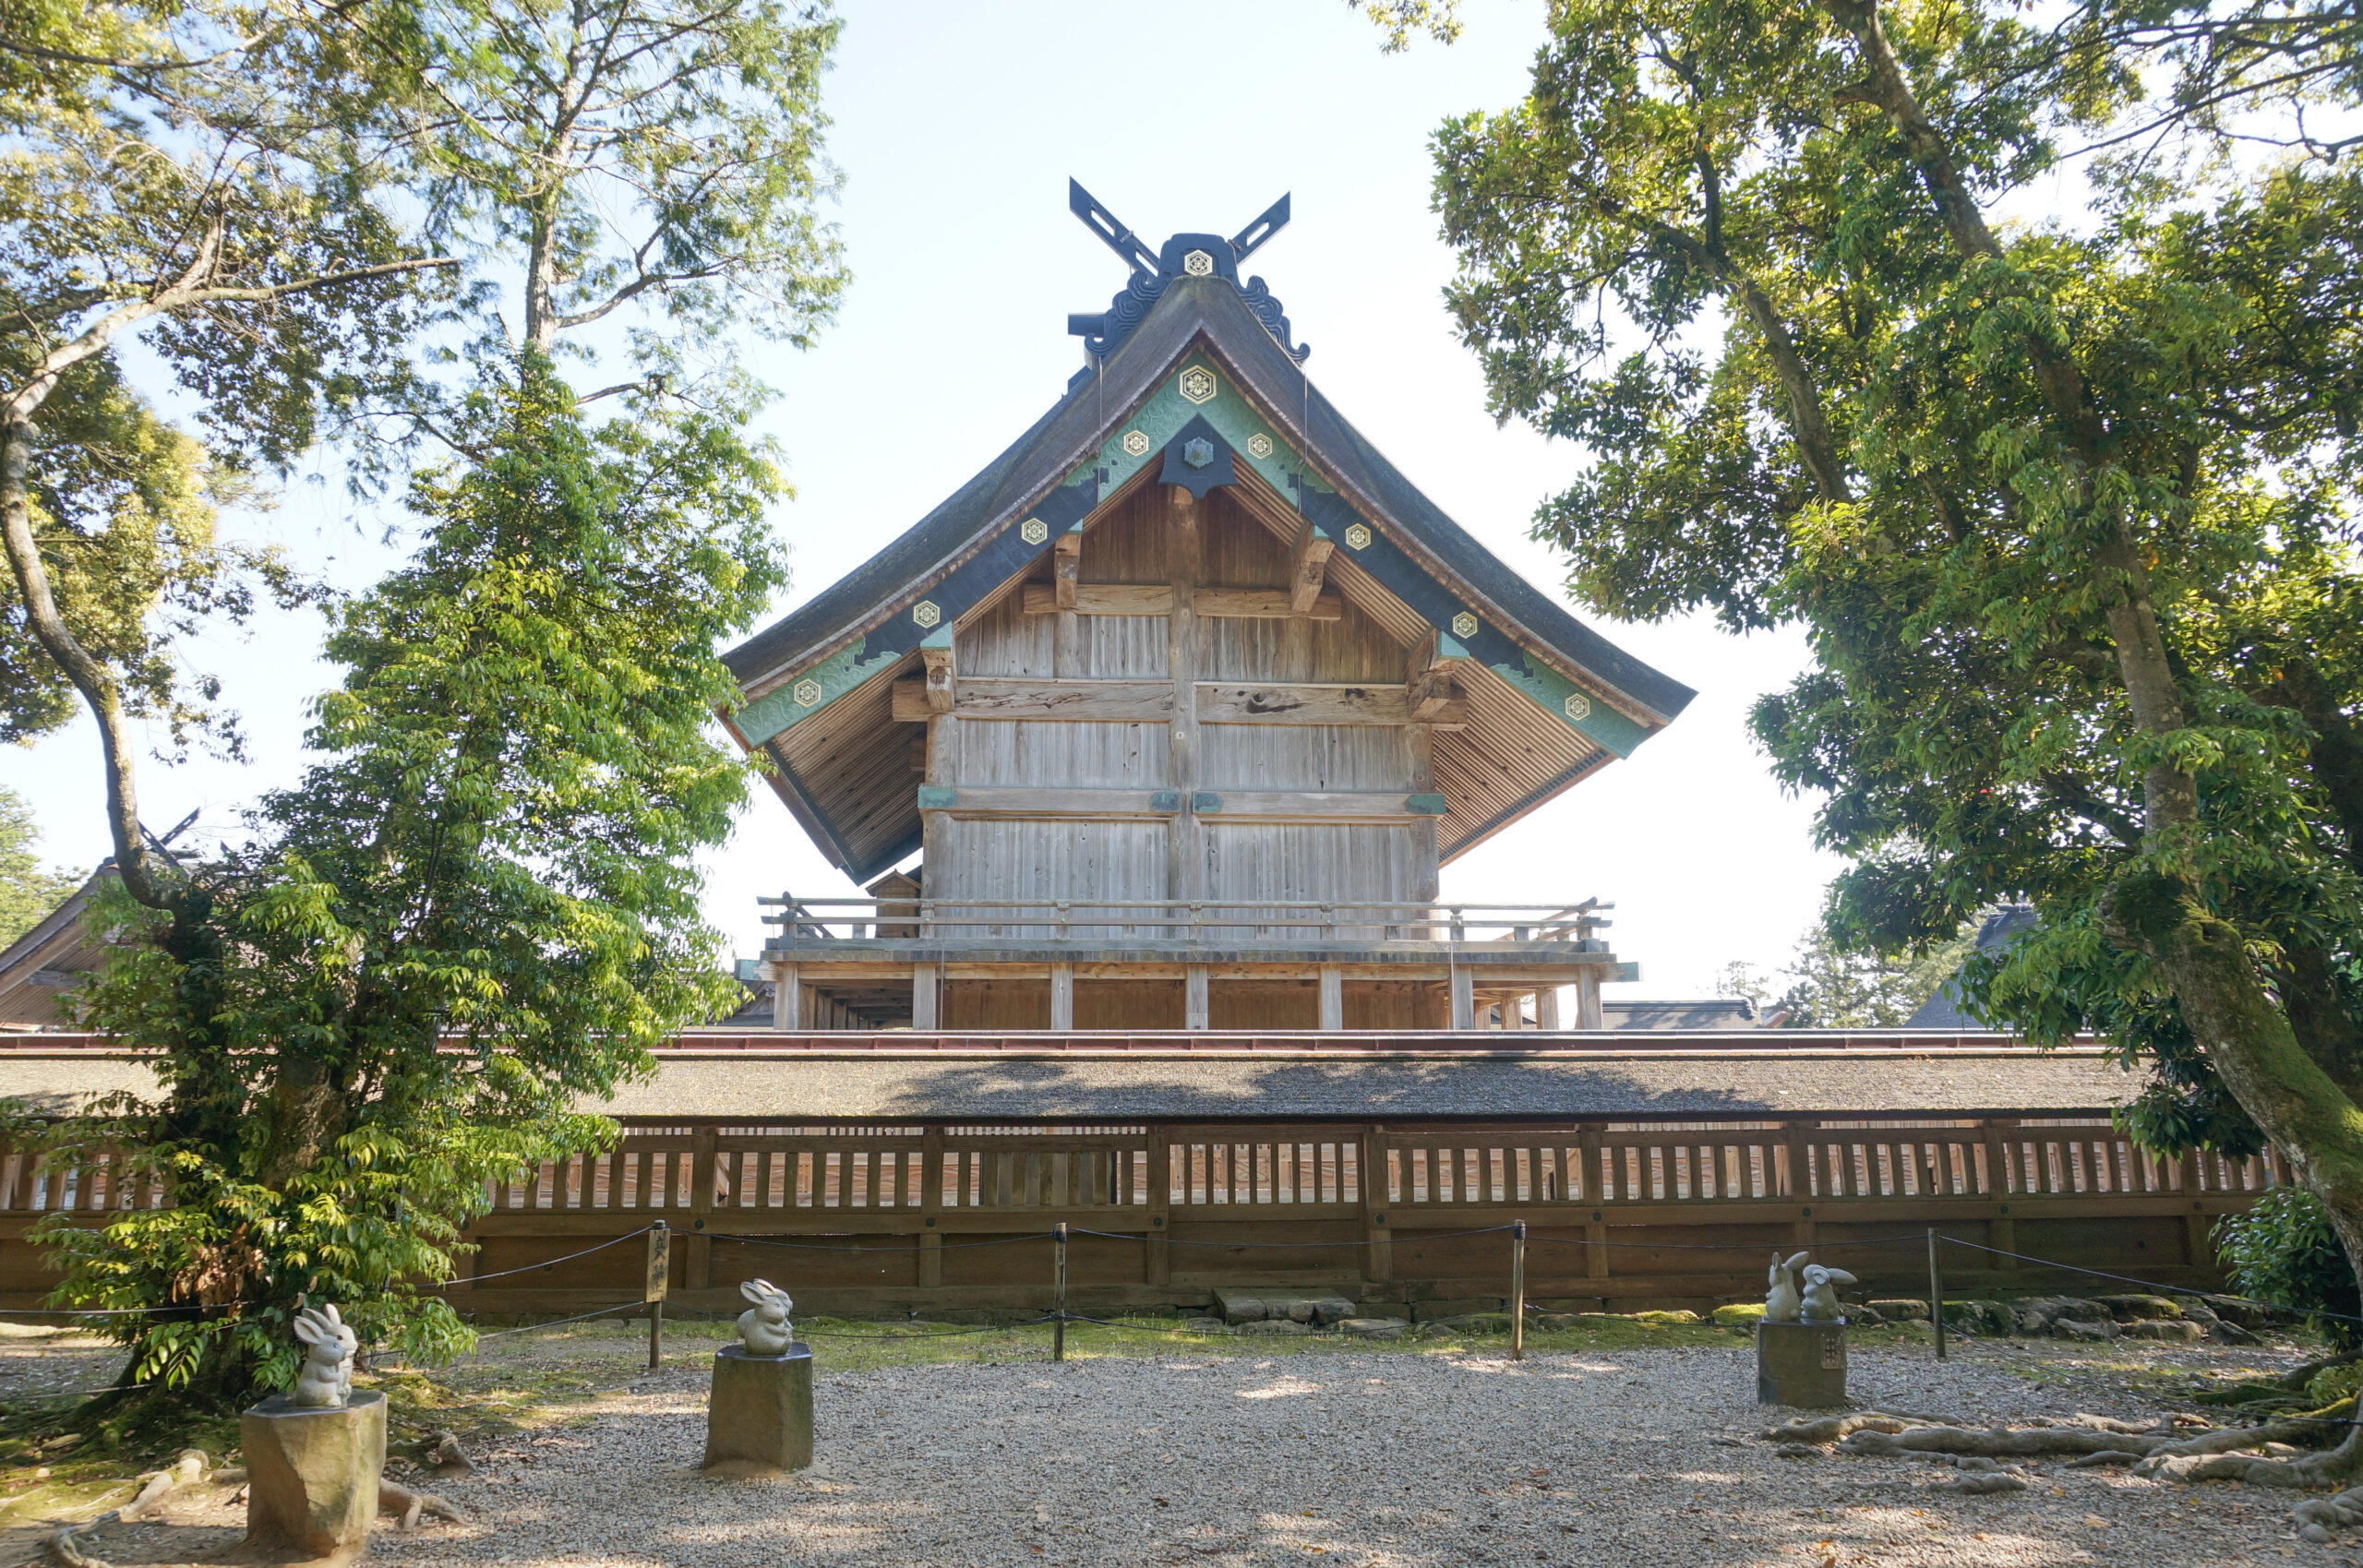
(1183, 255)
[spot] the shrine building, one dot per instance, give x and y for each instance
(1183, 701)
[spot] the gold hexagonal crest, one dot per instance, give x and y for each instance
(927, 612)
(808, 693)
(1357, 536)
(1198, 264)
(1577, 705)
(1464, 626)
(1136, 442)
(1198, 384)
(1259, 445)
(1034, 530)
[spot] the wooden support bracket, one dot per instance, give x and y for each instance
(936, 653)
(1307, 562)
(1066, 565)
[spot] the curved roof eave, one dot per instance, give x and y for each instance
(1073, 428)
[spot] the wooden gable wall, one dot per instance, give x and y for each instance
(1271, 837)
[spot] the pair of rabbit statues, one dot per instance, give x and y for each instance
(1817, 1303)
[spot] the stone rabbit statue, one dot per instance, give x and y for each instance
(1821, 1305)
(763, 1328)
(326, 1381)
(1781, 1301)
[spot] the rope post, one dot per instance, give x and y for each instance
(1517, 1290)
(1936, 1293)
(1059, 1328)
(660, 1275)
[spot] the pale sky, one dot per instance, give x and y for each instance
(957, 126)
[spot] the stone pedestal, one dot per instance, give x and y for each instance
(1801, 1364)
(312, 1477)
(759, 1418)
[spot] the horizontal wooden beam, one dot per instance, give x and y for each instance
(1222, 703)
(1099, 598)
(1021, 801)
(1155, 599)
(1100, 702)
(1265, 604)
(1304, 806)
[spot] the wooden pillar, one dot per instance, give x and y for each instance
(1195, 1008)
(1587, 1013)
(931, 1208)
(1546, 1008)
(1062, 996)
(1332, 998)
(1185, 859)
(1376, 1207)
(787, 997)
(926, 991)
(698, 1268)
(1464, 1000)
(1159, 1265)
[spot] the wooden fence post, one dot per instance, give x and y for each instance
(1059, 1328)
(930, 1239)
(1517, 1290)
(660, 1279)
(1936, 1294)
(1158, 1264)
(697, 1269)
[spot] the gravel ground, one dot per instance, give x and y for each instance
(1622, 1457)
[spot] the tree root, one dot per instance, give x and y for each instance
(1830, 1429)
(186, 1470)
(2016, 1443)
(1978, 1484)
(407, 1506)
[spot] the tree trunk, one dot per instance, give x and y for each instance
(90, 677)
(2301, 1108)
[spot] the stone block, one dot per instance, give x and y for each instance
(1302, 1310)
(2177, 1331)
(1902, 1307)
(759, 1418)
(1373, 1328)
(1277, 1327)
(1802, 1365)
(2126, 1309)
(312, 1477)
(1333, 1309)
(1238, 1307)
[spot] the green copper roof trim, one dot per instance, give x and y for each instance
(1167, 411)
(809, 693)
(935, 797)
(1427, 805)
(1573, 706)
(939, 638)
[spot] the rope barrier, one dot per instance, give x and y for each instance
(559, 1322)
(2149, 1283)
(547, 1263)
(823, 1247)
(1284, 1246)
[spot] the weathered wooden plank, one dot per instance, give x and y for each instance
(1099, 598)
(998, 801)
(1285, 704)
(1265, 604)
(1317, 805)
(1081, 702)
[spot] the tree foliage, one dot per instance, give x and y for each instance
(28, 892)
(2065, 502)
(478, 909)
(475, 911)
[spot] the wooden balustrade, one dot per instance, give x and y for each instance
(1617, 1210)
